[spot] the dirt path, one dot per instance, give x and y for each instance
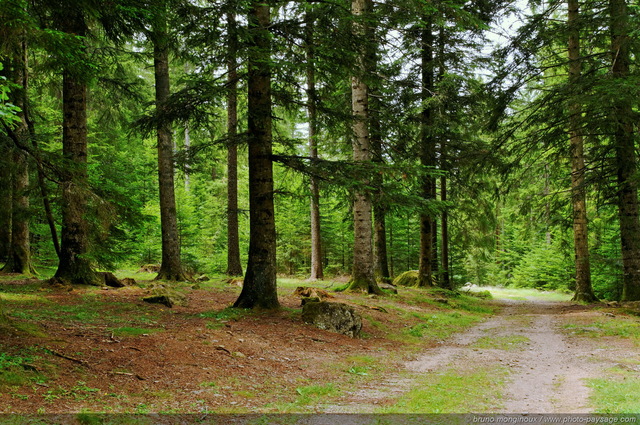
(547, 366)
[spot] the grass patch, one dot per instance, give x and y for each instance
(131, 331)
(523, 294)
(439, 326)
(221, 317)
(453, 392)
(616, 394)
(509, 342)
(619, 326)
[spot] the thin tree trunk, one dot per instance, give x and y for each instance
(234, 265)
(187, 149)
(6, 201)
(171, 266)
(362, 278)
(584, 291)
(317, 271)
(379, 208)
(444, 229)
(427, 156)
(625, 155)
(259, 289)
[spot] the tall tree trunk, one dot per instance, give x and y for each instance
(234, 265)
(625, 154)
(444, 229)
(379, 208)
(19, 259)
(362, 278)
(6, 200)
(584, 291)
(171, 267)
(317, 271)
(427, 155)
(259, 289)
(74, 267)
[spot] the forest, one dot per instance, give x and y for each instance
(483, 142)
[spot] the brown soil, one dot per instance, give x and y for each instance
(185, 363)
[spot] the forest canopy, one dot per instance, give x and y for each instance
(472, 141)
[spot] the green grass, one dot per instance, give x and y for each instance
(439, 326)
(616, 394)
(509, 342)
(131, 331)
(623, 327)
(523, 294)
(307, 396)
(453, 391)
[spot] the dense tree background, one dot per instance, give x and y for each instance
(470, 170)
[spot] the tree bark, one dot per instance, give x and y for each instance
(19, 258)
(259, 288)
(234, 265)
(74, 267)
(584, 290)
(6, 200)
(427, 155)
(626, 160)
(444, 229)
(171, 266)
(362, 279)
(317, 271)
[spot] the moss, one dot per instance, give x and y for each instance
(409, 278)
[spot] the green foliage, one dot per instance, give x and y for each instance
(8, 111)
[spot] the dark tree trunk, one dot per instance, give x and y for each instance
(584, 291)
(74, 267)
(171, 266)
(259, 289)
(379, 208)
(317, 271)
(19, 258)
(6, 200)
(427, 156)
(362, 278)
(444, 229)
(625, 155)
(234, 265)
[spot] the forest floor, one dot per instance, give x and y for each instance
(423, 351)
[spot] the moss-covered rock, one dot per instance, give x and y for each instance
(408, 278)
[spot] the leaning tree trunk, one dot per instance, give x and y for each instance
(171, 267)
(626, 162)
(234, 265)
(427, 157)
(259, 288)
(584, 290)
(317, 271)
(362, 278)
